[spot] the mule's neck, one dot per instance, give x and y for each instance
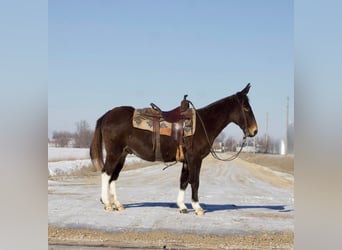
(216, 116)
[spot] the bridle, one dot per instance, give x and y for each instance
(213, 153)
(245, 131)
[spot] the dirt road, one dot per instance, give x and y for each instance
(88, 239)
(80, 238)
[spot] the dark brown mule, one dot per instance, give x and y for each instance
(114, 130)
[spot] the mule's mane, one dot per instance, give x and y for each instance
(224, 101)
(219, 114)
(218, 102)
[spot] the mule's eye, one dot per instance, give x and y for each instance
(246, 109)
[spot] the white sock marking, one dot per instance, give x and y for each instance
(180, 200)
(112, 190)
(105, 188)
(196, 206)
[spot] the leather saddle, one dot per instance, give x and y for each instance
(176, 117)
(171, 116)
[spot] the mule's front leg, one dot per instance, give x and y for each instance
(105, 191)
(194, 200)
(180, 202)
(184, 181)
(194, 180)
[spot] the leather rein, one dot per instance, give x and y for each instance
(213, 153)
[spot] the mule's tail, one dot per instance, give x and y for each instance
(96, 152)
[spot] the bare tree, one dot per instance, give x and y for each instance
(83, 135)
(231, 144)
(62, 138)
(218, 144)
(268, 145)
(220, 137)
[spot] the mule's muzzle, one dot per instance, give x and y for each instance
(251, 132)
(255, 132)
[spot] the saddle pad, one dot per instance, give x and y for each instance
(142, 122)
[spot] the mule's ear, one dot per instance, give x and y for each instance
(246, 89)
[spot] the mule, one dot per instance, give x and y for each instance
(115, 132)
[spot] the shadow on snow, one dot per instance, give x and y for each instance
(209, 207)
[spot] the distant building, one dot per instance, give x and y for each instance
(71, 143)
(52, 143)
(218, 147)
(247, 149)
(282, 147)
(250, 146)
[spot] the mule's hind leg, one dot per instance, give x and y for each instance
(112, 187)
(113, 197)
(104, 191)
(184, 181)
(113, 164)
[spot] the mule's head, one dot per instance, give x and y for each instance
(245, 118)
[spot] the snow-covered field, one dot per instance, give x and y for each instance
(63, 161)
(238, 196)
(59, 154)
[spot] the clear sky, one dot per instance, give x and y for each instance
(104, 54)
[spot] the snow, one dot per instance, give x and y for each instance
(63, 161)
(238, 197)
(58, 154)
(67, 167)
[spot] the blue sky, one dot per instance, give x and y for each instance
(104, 54)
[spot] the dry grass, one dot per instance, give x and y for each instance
(78, 238)
(70, 158)
(86, 171)
(276, 162)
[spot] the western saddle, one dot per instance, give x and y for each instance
(176, 117)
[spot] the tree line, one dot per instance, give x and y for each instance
(79, 139)
(263, 143)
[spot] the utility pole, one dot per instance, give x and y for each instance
(287, 126)
(266, 135)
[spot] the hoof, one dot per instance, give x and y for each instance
(108, 208)
(199, 212)
(120, 208)
(183, 211)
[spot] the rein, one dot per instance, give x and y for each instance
(213, 153)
